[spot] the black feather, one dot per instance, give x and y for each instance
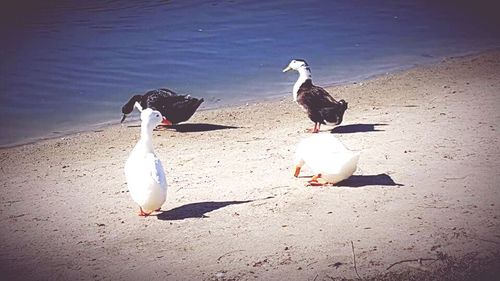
(129, 106)
(334, 114)
(176, 108)
(320, 105)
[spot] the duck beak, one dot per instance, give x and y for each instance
(288, 68)
(123, 118)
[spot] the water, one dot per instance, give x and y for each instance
(70, 65)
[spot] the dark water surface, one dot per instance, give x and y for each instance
(70, 65)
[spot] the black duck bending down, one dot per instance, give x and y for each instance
(173, 107)
(320, 106)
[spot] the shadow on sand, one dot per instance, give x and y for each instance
(196, 210)
(189, 127)
(356, 128)
(198, 127)
(365, 180)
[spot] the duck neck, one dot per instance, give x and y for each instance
(129, 106)
(146, 138)
(138, 106)
(304, 74)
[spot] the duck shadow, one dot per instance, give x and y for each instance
(198, 127)
(357, 128)
(189, 127)
(196, 210)
(365, 180)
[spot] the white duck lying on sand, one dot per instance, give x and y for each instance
(144, 172)
(327, 157)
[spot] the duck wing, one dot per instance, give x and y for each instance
(157, 172)
(155, 99)
(334, 114)
(314, 100)
(183, 109)
(176, 108)
(314, 96)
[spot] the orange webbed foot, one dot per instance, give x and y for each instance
(317, 180)
(142, 213)
(312, 131)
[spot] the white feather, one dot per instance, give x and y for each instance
(324, 154)
(138, 106)
(144, 172)
(304, 74)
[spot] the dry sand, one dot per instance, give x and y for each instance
(427, 187)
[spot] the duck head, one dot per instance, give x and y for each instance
(342, 109)
(296, 64)
(343, 104)
(151, 118)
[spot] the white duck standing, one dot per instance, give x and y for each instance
(327, 157)
(143, 170)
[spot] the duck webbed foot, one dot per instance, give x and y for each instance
(142, 213)
(317, 180)
(315, 129)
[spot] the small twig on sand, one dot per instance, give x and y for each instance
(230, 252)
(311, 263)
(354, 258)
(254, 139)
(435, 207)
(486, 240)
(452, 178)
(419, 261)
(315, 277)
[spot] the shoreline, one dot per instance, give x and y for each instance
(275, 97)
(425, 188)
(403, 68)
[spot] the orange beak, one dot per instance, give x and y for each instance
(297, 171)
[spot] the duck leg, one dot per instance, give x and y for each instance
(315, 129)
(317, 180)
(142, 213)
(297, 171)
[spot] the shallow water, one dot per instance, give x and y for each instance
(70, 65)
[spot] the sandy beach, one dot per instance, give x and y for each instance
(424, 202)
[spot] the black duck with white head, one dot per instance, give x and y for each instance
(173, 107)
(320, 106)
